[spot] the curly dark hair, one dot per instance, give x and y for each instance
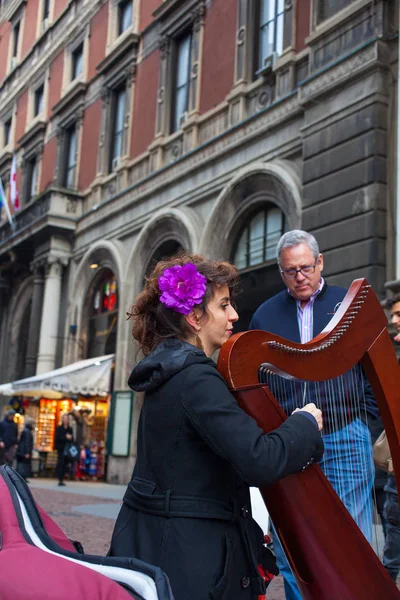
(153, 322)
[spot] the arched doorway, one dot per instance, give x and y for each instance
(254, 256)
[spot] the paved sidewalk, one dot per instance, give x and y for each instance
(86, 511)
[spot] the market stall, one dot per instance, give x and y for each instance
(81, 390)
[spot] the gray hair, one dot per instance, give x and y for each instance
(294, 238)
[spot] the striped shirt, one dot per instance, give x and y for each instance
(305, 315)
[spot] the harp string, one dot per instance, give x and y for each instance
(347, 455)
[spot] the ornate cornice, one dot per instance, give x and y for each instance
(129, 44)
(75, 98)
(34, 134)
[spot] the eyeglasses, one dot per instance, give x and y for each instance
(292, 273)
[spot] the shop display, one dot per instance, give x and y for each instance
(46, 425)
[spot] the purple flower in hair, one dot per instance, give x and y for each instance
(182, 287)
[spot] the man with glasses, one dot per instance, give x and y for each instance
(299, 313)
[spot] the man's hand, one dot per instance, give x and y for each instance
(68, 436)
(2, 445)
(27, 455)
(314, 411)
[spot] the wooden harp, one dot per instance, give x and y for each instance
(329, 556)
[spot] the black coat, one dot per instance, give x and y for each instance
(187, 507)
(25, 444)
(8, 432)
(61, 439)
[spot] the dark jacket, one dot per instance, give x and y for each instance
(279, 315)
(25, 444)
(61, 439)
(8, 432)
(187, 507)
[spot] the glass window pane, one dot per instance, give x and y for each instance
(266, 42)
(71, 159)
(181, 105)
(182, 66)
(125, 16)
(34, 174)
(77, 62)
(257, 239)
(267, 11)
(240, 258)
(38, 101)
(274, 232)
(279, 34)
(16, 39)
(119, 117)
(120, 114)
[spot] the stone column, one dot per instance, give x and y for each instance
(34, 322)
(4, 300)
(50, 315)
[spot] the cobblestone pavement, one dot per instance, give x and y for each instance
(94, 532)
(86, 512)
(74, 509)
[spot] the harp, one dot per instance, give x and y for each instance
(329, 556)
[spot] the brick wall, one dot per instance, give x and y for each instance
(98, 39)
(90, 144)
(144, 113)
(218, 53)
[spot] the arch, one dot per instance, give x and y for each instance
(19, 304)
(277, 183)
(175, 224)
(107, 254)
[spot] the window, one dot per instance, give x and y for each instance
(271, 29)
(77, 62)
(327, 8)
(31, 178)
(117, 133)
(103, 316)
(38, 100)
(71, 153)
(16, 31)
(180, 102)
(124, 15)
(46, 9)
(257, 241)
(7, 132)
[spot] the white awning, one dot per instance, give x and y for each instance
(6, 389)
(86, 377)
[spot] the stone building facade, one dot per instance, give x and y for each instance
(145, 126)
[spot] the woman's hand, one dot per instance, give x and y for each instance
(314, 411)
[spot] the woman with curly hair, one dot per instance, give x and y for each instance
(187, 508)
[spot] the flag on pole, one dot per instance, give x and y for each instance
(4, 202)
(14, 196)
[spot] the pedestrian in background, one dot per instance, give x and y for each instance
(8, 438)
(63, 436)
(24, 450)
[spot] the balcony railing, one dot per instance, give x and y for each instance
(55, 208)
